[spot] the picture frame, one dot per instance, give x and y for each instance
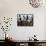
(24, 19)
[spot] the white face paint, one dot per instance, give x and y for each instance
(35, 3)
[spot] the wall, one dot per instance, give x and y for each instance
(45, 28)
(10, 8)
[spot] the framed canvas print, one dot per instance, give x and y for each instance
(24, 19)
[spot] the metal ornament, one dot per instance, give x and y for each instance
(35, 3)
